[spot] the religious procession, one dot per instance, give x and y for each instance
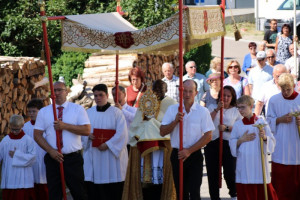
(153, 138)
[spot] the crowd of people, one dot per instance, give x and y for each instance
(122, 152)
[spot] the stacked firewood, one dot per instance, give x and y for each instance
(151, 65)
(21, 80)
(101, 68)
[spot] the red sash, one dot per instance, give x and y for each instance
(102, 135)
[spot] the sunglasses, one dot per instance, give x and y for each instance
(192, 67)
(271, 57)
(233, 66)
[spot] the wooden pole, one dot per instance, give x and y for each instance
(221, 98)
(117, 78)
(263, 167)
(180, 99)
(58, 143)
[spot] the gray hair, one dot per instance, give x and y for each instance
(279, 67)
(166, 64)
(191, 61)
(272, 50)
(16, 120)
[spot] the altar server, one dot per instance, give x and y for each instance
(17, 153)
(244, 144)
(39, 169)
(105, 152)
(285, 127)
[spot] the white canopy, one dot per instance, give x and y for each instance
(110, 32)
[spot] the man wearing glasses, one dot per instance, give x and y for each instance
(259, 75)
(271, 58)
(72, 123)
(200, 79)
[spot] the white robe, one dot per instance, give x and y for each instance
(287, 150)
(39, 168)
(17, 171)
(248, 164)
(107, 166)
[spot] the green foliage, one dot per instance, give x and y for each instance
(144, 13)
(68, 65)
(201, 55)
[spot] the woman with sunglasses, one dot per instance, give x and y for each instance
(235, 80)
(211, 95)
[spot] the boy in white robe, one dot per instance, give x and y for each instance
(286, 156)
(244, 144)
(17, 151)
(39, 168)
(105, 165)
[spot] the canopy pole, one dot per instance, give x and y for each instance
(58, 143)
(180, 99)
(117, 78)
(295, 43)
(221, 98)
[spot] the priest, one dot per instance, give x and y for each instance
(149, 173)
(105, 152)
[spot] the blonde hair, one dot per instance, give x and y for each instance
(16, 120)
(245, 99)
(286, 80)
(238, 64)
(214, 62)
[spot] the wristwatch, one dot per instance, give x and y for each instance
(227, 129)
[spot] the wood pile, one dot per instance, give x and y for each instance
(151, 65)
(101, 68)
(21, 78)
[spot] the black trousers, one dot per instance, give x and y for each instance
(192, 174)
(74, 176)
(211, 152)
(110, 191)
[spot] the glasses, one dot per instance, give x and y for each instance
(192, 67)
(252, 47)
(213, 80)
(241, 107)
(270, 57)
(15, 130)
(261, 60)
(233, 66)
(59, 90)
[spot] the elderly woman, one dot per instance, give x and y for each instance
(137, 87)
(230, 116)
(283, 41)
(211, 96)
(215, 66)
(286, 156)
(250, 58)
(239, 83)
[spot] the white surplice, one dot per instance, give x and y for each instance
(248, 164)
(107, 166)
(39, 168)
(287, 150)
(17, 171)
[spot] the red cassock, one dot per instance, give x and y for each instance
(22, 193)
(255, 192)
(282, 174)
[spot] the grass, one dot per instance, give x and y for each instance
(247, 30)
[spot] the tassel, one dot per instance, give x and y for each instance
(237, 34)
(43, 55)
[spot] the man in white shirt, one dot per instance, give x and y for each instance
(269, 89)
(290, 63)
(171, 80)
(200, 79)
(73, 124)
(197, 132)
(259, 75)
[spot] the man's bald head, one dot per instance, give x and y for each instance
(277, 71)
